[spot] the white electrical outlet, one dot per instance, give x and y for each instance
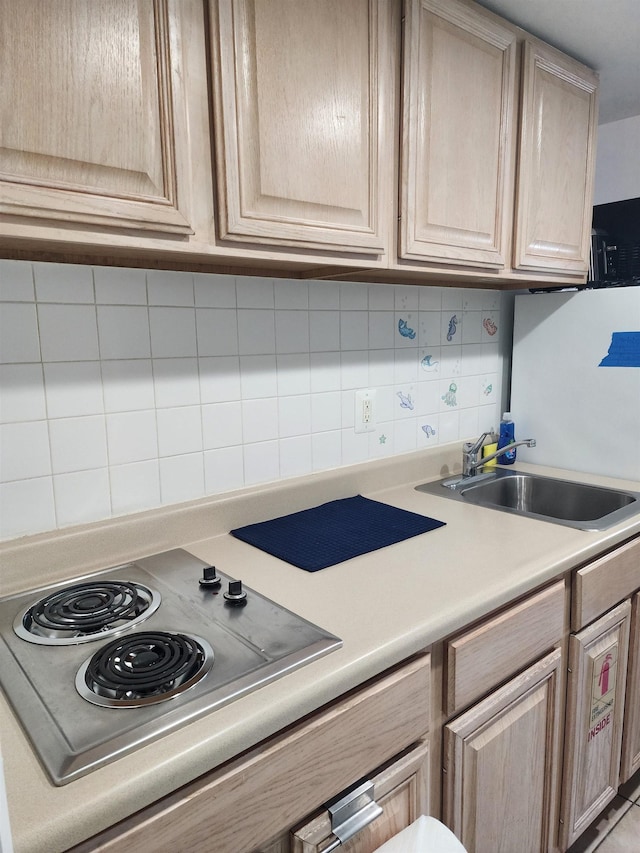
(365, 420)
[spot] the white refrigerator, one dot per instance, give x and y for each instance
(575, 383)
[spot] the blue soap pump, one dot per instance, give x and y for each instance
(507, 436)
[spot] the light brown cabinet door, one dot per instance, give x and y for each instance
(631, 731)
(458, 110)
(556, 162)
(92, 131)
(595, 708)
(502, 764)
(304, 122)
(401, 790)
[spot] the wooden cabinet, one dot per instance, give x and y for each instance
(502, 756)
(481, 658)
(320, 139)
(502, 763)
(556, 163)
(304, 122)
(595, 712)
(457, 141)
(462, 160)
(248, 804)
(93, 126)
(631, 733)
(401, 789)
(602, 708)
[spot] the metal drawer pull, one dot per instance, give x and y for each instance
(352, 813)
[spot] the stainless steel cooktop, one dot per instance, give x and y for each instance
(98, 667)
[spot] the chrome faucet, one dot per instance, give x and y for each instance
(471, 449)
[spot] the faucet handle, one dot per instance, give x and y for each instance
(474, 446)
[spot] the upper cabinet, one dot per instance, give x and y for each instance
(458, 110)
(92, 106)
(304, 122)
(556, 166)
(490, 115)
(385, 140)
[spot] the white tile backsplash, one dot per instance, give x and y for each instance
(221, 425)
(132, 437)
(135, 486)
(67, 332)
(127, 385)
(255, 293)
(324, 295)
(21, 393)
(223, 469)
(18, 333)
(179, 430)
(16, 281)
(65, 283)
(293, 374)
(256, 331)
(73, 388)
(291, 295)
(215, 291)
(176, 382)
(24, 450)
(181, 478)
(219, 379)
(27, 507)
(261, 462)
(292, 331)
(324, 331)
(173, 332)
(78, 444)
(258, 376)
(120, 286)
(82, 496)
(170, 288)
(260, 419)
(354, 330)
(217, 331)
(295, 456)
(123, 331)
(294, 415)
(124, 389)
(326, 450)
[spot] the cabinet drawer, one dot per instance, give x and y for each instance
(401, 789)
(483, 657)
(605, 582)
(260, 794)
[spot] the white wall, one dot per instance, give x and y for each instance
(618, 161)
(125, 389)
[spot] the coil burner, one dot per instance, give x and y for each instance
(85, 612)
(144, 669)
(153, 625)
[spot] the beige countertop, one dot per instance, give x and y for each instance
(385, 606)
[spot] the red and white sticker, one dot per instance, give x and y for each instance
(603, 691)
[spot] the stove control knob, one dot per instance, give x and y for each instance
(210, 577)
(236, 596)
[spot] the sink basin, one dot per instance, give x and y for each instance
(565, 502)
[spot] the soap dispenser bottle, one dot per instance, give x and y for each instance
(507, 436)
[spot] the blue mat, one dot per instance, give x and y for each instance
(333, 532)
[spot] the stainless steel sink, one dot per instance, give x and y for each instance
(565, 502)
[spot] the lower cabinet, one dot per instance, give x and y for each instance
(502, 764)
(400, 789)
(250, 803)
(631, 733)
(595, 714)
